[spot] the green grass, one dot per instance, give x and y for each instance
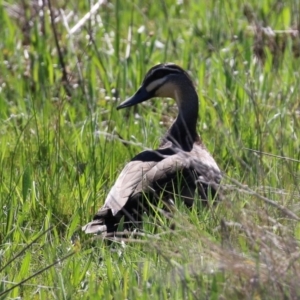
(60, 149)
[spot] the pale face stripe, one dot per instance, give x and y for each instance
(154, 84)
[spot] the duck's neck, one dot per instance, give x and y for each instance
(183, 131)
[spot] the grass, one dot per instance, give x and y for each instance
(62, 147)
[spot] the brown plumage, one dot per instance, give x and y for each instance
(180, 165)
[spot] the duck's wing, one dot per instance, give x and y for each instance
(133, 176)
(125, 186)
(149, 168)
(159, 165)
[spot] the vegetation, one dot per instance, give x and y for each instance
(63, 143)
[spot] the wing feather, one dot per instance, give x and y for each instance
(148, 167)
(126, 184)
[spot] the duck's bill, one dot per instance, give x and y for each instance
(140, 96)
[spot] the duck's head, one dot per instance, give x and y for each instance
(163, 80)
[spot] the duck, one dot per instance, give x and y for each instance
(181, 165)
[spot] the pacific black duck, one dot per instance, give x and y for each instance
(155, 174)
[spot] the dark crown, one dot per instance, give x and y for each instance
(161, 70)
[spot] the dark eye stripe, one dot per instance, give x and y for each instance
(161, 71)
